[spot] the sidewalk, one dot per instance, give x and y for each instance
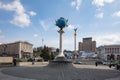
(8, 77)
(39, 72)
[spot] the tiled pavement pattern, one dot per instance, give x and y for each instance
(59, 72)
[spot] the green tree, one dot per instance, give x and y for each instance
(45, 53)
(37, 53)
(112, 56)
(52, 56)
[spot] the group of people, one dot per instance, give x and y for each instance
(116, 64)
(15, 61)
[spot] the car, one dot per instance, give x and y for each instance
(38, 59)
(29, 59)
(106, 63)
(99, 62)
(77, 62)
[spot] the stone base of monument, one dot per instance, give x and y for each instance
(60, 62)
(61, 59)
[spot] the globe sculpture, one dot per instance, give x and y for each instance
(61, 23)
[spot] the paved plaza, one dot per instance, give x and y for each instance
(59, 72)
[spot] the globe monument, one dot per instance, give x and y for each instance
(61, 23)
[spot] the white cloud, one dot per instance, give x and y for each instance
(116, 14)
(76, 4)
(68, 42)
(71, 27)
(20, 18)
(108, 39)
(99, 15)
(73, 3)
(32, 13)
(101, 3)
(35, 35)
(46, 24)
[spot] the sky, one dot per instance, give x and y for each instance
(34, 21)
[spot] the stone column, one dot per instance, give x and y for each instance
(60, 43)
(75, 34)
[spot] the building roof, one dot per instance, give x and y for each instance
(115, 45)
(17, 42)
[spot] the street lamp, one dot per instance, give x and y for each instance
(42, 42)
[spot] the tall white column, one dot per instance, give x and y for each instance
(60, 43)
(75, 42)
(75, 52)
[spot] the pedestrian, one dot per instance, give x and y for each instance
(117, 67)
(14, 62)
(116, 63)
(96, 64)
(33, 61)
(110, 65)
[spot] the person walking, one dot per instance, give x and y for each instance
(96, 64)
(14, 62)
(33, 61)
(110, 65)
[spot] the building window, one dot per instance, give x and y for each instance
(108, 57)
(117, 50)
(118, 57)
(112, 50)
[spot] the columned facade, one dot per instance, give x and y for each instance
(108, 50)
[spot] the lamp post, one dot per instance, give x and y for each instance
(75, 34)
(42, 42)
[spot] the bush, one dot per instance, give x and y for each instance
(30, 60)
(18, 60)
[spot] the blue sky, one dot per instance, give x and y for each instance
(34, 20)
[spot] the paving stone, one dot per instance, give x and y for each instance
(59, 72)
